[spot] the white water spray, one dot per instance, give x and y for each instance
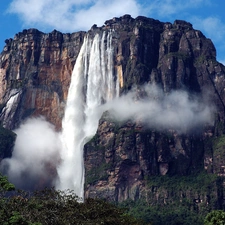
(92, 84)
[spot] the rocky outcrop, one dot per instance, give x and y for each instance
(35, 70)
(121, 157)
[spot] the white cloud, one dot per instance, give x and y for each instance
(71, 15)
(213, 27)
(167, 8)
(177, 110)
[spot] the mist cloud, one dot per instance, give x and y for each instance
(71, 15)
(35, 155)
(212, 26)
(177, 110)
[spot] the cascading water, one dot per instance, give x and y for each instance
(92, 84)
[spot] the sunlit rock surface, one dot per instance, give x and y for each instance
(38, 66)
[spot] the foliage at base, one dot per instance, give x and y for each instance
(215, 217)
(172, 214)
(60, 208)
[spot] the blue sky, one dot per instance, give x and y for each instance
(75, 15)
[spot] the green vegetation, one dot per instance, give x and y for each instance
(215, 217)
(5, 185)
(219, 145)
(50, 206)
(197, 193)
(199, 183)
(178, 55)
(59, 208)
(218, 154)
(172, 214)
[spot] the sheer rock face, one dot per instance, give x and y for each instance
(38, 67)
(35, 71)
(121, 157)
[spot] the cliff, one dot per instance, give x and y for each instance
(35, 75)
(123, 158)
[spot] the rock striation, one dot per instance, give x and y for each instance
(35, 75)
(35, 70)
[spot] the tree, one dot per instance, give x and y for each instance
(5, 185)
(215, 217)
(50, 206)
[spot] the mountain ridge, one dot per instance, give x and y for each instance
(35, 73)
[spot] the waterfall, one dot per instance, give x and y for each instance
(92, 84)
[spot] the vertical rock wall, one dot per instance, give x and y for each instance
(38, 66)
(35, 70)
